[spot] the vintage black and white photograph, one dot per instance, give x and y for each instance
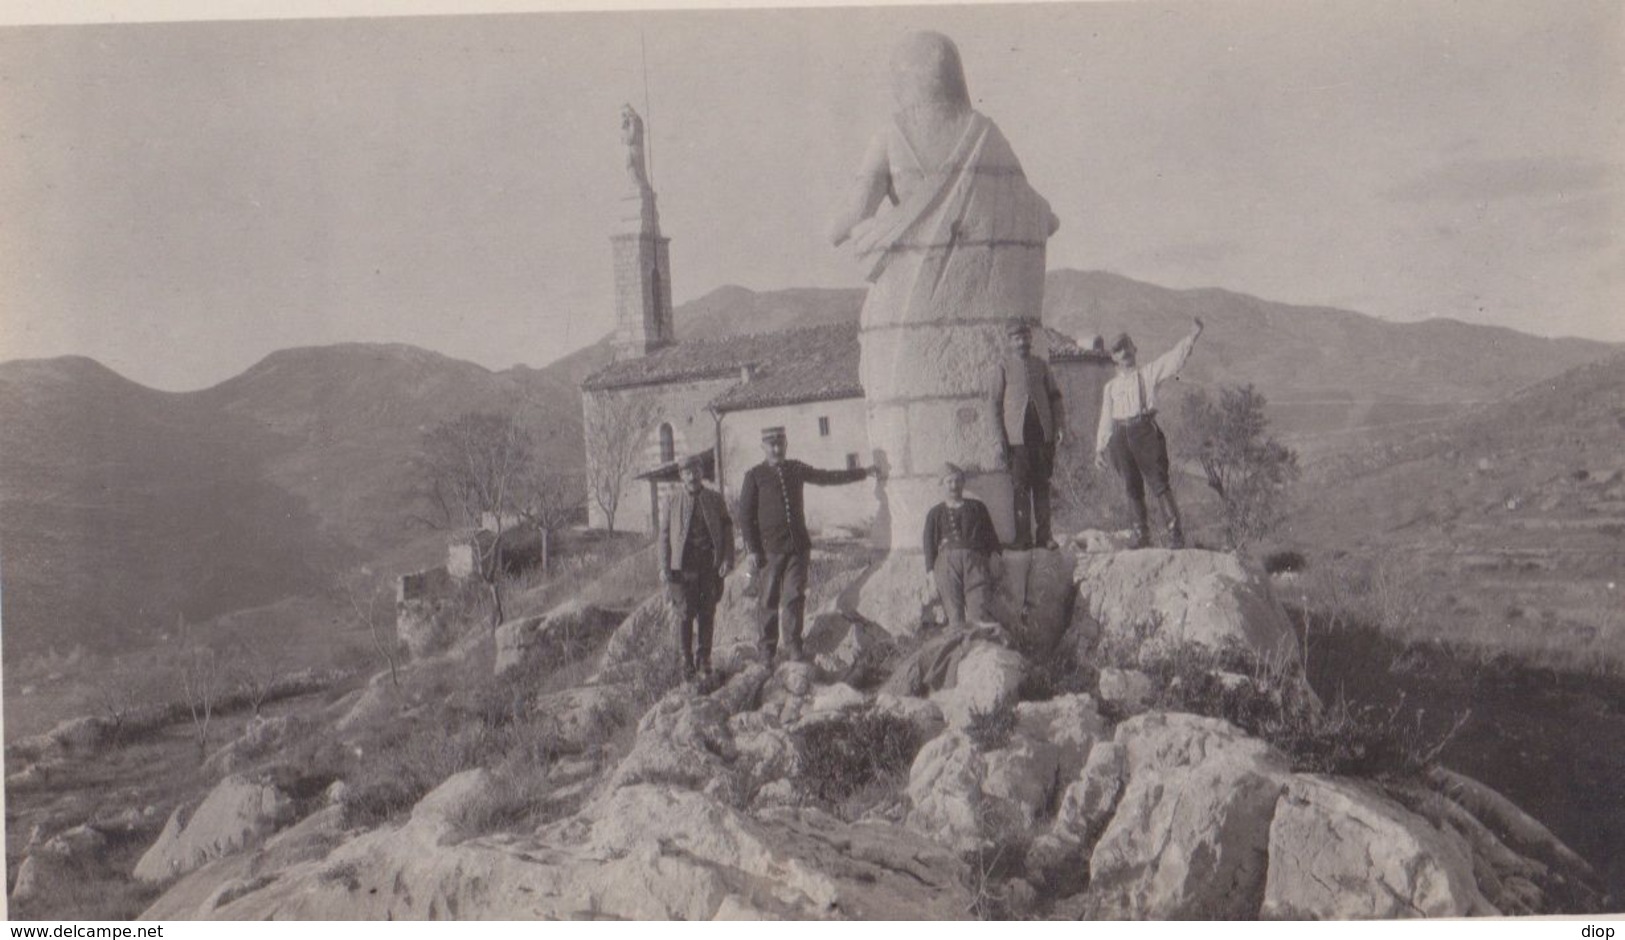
(1142, 460)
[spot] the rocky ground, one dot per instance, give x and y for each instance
(1133, 737)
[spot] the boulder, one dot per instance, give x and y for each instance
(742, 692)
(554, 638)
(441, 810)
(1340, 849)
(1189, 835)
(237, 814)
(648, 634)
(1186, 596)
(925, 716)
(1089, 800)
(894, 595)
(945, 790)
(583, 717)
(968, 799)
(1069, 724)
(1034, 598)
(787, 694)
(65, 855)
(985, 680)
(261, 736)
(1127, 690)
(829, 701)
(645, 852)
(683, 742)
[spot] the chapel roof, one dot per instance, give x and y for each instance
(812, 364)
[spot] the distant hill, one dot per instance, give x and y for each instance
(1325, 371)
(1511, 516)
(122, 507)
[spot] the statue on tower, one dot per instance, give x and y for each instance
(632, 136)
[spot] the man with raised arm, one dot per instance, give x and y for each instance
(1129, 437)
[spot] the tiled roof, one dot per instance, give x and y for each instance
(715, 359)
(819, 364)
(814, 364)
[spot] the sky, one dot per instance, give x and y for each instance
(180, 199)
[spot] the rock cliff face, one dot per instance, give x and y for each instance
(1060, 806)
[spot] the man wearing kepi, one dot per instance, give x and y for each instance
(1031, 425)
(959, 544)
(773, 517)
(696, 551)
(1129, 436)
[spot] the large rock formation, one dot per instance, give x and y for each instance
(236, 815)
(1171, 597)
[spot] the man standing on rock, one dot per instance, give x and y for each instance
(960, 542)
(1129, 436)
(1031, 425)
(773, 516)
(696, 551)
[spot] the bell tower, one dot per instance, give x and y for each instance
(643, 319)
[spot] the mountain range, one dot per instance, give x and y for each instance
(123, 508)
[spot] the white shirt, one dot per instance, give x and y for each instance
(1133, 392)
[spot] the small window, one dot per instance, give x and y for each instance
(668, 448)
(823, 427)
(851, 461)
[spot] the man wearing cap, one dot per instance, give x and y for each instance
(773, 518)
(1031, 426)
(696, 551)
(1129, 437)
(959, 544)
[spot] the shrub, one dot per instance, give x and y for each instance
(991, 729)
(841, 756)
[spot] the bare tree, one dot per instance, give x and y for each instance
(253, 675)
(616, 425)
(201, 678)
(372, 608)
(1248, 469)
(116, 696)
(479, 462)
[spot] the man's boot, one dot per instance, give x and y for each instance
(1142, 528)
(1170, 512)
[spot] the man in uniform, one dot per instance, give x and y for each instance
(959, 544)
(1031, 425)
(773, 517)
(696, 551)
(1129, 436)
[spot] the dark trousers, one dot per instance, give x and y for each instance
(1030, 469)
(964, 583)
(782, 601)
(695, 595)
(1139, 453)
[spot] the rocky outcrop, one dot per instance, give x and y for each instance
(261, 736)
(68, 854)
(644, 851)
(553, 638)
(1190, 833)
(236, 815)
(1185, 596)
(984, 680)
(713, 812)
(1340, 849)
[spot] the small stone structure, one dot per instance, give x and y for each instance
(423, 618)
